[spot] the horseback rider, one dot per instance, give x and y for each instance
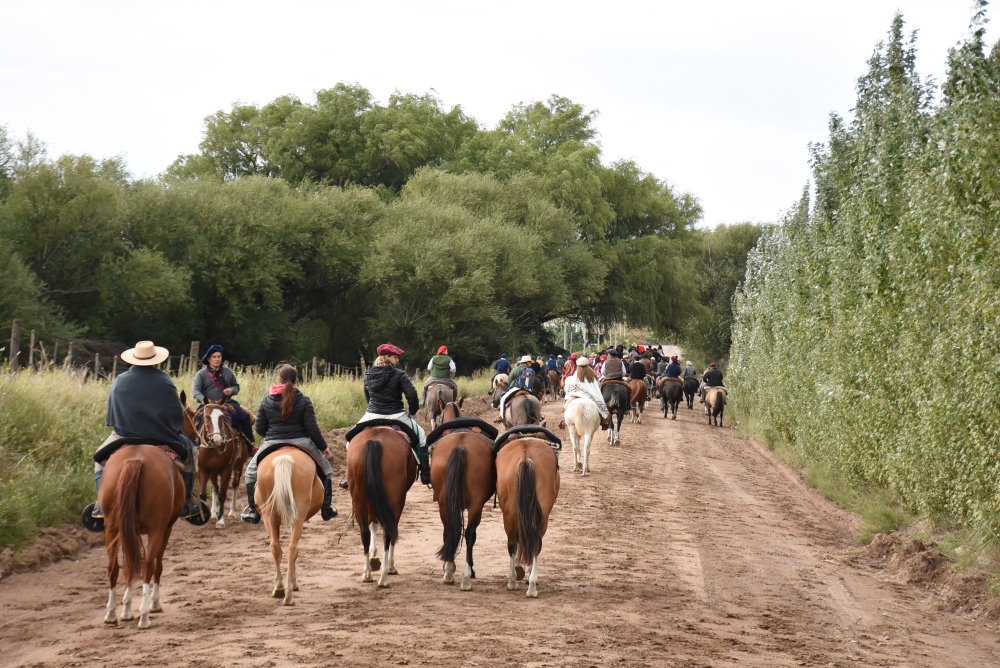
(287, 417)
(583, 384)
(689, 370)
(560, 363)
(673, 369)
(441, 366)
(570, 367)
(144, 404)
(614, 369)
(502, 365)
(385, 388)
(217, 382)
(552, 363)
(711, 378)
(637, 370)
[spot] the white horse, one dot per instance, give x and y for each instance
(582, 421)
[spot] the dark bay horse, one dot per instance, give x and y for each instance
(522, 409)
(463, 477)
(690, 390)
(637, 396)
(439, 395)
(221, 457)
(555, 385)
(381, 469)
(288, 492)
(671, 393)
(142, 492)
(527, 487)
(715, 404)
(616, 397)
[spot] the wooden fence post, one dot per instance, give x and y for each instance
(193, 355)
(68, 362)
(114, 367)
(31, 351)
(55, 352)
(15, 345)
(97, 365)
(314, 370)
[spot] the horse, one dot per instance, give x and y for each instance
(616, 397)
(288, 492)
(637, 392)
(497, 388)
(690, 390)
(463, 478)
(221, 457)
(381, 469)
(141, 492)
(582, 422)
(522, 409)
(527, 487)
(555, 384)
(671, 393)
(715, 404)
(438, 395)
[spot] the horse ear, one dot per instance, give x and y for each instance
(184, 399)
(460, 401)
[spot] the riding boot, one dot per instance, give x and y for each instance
(96, 513)
(189, 508)
(425, 469)
(250, 514)
(328, 510)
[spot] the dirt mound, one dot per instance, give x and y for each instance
(51, 546)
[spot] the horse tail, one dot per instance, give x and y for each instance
(529, 539)
(377, 497)
(529, 410)
(579, 415)
(282, 501)
(129, 539)
(454, 504)
(613, 399)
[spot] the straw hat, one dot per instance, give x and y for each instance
(145, 354)
(525, 359)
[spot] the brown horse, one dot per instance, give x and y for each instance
(522, 409)
(288, 491)
(381, 469)
(439, 395)
(220, 458)
(463, 477)
(637, 397)
(527, 487)
(142, 492)
(715, 404)
(555, 385)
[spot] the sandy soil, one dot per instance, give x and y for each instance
(686, 546)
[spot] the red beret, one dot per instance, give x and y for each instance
(443, 350)
(389, 349)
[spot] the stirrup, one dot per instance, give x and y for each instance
(97, 513)
(250, 515)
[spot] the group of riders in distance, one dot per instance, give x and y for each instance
(289, 477)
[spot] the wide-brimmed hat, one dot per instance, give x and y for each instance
(524, 358)
(389, 349)
(214, 348)
(145, 354)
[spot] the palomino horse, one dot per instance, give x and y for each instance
(616, 397)
(671, 393)
(690, 389)
(637, 396)
(381, 468)
(463, 477)
(555, 383)
(521, 409)
(715, 403)
(288, 492)
(142, 492)
(497, 389)
(438, 396)
(582, 421)
(220, 458)
(527, 487)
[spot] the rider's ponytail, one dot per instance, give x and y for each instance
(289, 377)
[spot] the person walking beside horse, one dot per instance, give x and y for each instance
(217, 382)
(287, 417)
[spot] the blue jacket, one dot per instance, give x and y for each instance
(502, 365)
(143, 402)
(673, 370)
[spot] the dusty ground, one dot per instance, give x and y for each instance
(684, 547)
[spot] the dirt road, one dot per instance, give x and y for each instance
(685, 547)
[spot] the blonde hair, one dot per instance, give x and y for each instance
(383, 360)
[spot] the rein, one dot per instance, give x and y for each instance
(226, 430)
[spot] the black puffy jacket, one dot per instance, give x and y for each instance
(300, 424)
(713, 378)
(384, 390)
(637, 371)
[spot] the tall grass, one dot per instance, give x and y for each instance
(51, 422)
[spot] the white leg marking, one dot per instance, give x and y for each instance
(127, 605)
(383, 577)
(449, 573)
(144, 622)
(533, 579)
(511, 577)
(155, 600)
(109, 614)
(467, 577)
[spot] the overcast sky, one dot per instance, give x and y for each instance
(720, 99)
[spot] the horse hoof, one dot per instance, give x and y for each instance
(111, 618)
(519, 572)
(375, 563)
(383, 585)
(145, 623)
(393, 571)
(532, 591)
(278, 593)
(156, 608)
(512, 585)
(367, 578)
(127, 617)
(466, 585)
(221, 524)
(288, 601)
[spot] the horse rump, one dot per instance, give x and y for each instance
(282, 500)
(454, 491)
(378, 499)
(127, 505)
(529, 539)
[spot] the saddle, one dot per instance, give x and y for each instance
(534, 430)
(472, 424)
(270, 450)
(383, 422)
(719, 388)
(669, 379)
(104, 453)
(613, 381)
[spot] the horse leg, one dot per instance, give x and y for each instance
(112, 541)
(154, 547)
(390, 558)
(383, 577)
(274, 533)
(222, 489)
(585, 446)
(512, 573)
(293, 555)
(533, 579)
(158, 571)
(127, 614)
(470, 541)
(237, 475)
(368, 537)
